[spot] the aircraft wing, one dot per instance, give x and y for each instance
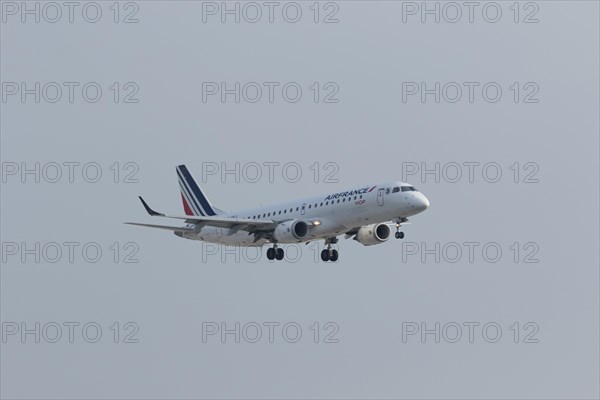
(235, 224)
(169, 228)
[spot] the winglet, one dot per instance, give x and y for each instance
(150, 211)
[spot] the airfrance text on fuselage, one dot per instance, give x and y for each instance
(350, 193)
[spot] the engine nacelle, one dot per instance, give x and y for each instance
(373, 234)
(291, 231)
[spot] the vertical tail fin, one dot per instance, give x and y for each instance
(194, 201)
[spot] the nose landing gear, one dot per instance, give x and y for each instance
(399, 234)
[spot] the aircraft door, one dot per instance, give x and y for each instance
(302, 208)
(380, 197)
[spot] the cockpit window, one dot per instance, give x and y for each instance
(396, 189)
(409, 189)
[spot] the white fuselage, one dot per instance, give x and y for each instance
(336, 213)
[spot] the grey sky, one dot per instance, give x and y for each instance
(368, 134)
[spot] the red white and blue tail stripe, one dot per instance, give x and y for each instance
(194, 201)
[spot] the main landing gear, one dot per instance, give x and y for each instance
(330, 254)
(275, 253)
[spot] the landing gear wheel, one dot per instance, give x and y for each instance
(271, 253)
(329, 254)
(279, 254)
(399, 221)
(334, 256)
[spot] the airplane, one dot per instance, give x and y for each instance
(361, 213)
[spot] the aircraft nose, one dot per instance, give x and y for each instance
(422, 202)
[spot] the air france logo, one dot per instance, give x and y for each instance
(350, 193)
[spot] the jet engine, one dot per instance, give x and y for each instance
(291, 231)
(373, 234)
